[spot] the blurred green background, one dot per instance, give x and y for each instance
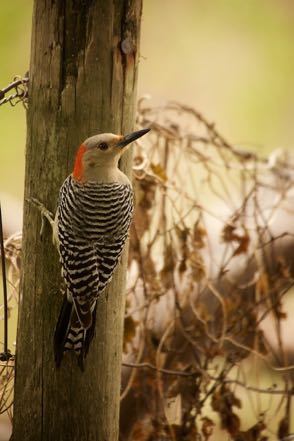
(232, 59)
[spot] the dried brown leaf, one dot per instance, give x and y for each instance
(130, 326)
(182, 234)
(203, 312)
(145, 190)
(166, 274)
(199, 234)
(243, 244)
(283, 268)
(261, 347)
(207, 427)
(182, 266)
(262, 285)
(223, 400)
(158, 171)
(141, 221)
(197, 266)
(230, 234)
(142, 429)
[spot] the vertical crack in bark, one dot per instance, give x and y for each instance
(62, 15)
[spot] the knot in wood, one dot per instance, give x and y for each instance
(127, 46)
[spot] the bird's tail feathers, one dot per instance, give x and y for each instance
(61, 330)
(70, 335)
(84, 313)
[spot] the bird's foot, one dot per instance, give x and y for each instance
(45, 213)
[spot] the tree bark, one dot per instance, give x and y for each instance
(83, 74)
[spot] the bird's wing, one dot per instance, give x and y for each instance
(80, 272)
(108, 255)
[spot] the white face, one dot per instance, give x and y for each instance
(104, 141)
(101, 149)
(106, 149)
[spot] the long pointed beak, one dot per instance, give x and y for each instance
(132, 137)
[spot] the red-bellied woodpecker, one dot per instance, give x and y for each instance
(91, 227)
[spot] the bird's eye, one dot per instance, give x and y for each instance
(103, 146)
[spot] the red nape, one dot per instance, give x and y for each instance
(78, 168)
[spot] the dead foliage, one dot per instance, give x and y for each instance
(208, 266)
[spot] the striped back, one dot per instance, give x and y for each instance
(95, 212)
(93, 224)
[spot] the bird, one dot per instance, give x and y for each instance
(90, 229)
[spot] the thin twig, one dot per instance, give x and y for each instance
(6, 354)
(271, 390)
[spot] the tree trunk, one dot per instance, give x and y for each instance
(82, 82)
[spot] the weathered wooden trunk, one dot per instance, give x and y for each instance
(82, 82)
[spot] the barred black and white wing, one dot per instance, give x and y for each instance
(93, 225)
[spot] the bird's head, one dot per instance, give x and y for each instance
(102, 151)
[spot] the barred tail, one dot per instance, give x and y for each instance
(70, 335)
